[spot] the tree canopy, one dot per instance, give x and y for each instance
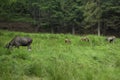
(64, 15)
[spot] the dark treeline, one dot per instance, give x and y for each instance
(65, 16)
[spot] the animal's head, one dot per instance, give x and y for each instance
(113, 37)
(8, 46)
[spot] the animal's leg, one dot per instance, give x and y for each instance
(29, 48)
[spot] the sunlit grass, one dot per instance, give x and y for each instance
(52, 59)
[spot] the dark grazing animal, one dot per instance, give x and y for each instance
(85, 39)
(20, 41)
(67, 41)
(111, 39)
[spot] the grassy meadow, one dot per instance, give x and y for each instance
(52, 59)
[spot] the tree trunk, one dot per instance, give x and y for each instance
(37, 28)
(99, 7)
(98, 28)
(38, 22)
(104, 28)
(73, 29)
(52, 30)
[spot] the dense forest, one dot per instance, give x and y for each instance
(100, 17)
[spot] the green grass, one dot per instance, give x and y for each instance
(52, 59)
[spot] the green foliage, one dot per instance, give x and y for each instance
(62, 13)
(18, 18)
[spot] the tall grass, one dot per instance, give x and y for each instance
(52, 59)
